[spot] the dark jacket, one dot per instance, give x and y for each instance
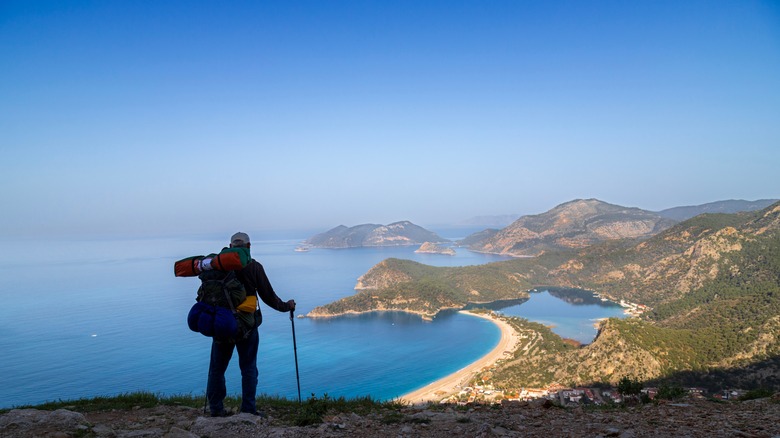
(255, 281)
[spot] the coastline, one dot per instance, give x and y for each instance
(448, 385)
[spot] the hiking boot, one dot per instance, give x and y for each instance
(222, 413)
(260, 414)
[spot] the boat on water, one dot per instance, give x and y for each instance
(301, 248)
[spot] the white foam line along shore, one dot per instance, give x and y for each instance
(452, 383)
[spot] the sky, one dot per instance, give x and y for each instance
(156, 118)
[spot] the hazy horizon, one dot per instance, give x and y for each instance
(146, 118)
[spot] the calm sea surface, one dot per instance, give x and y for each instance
(88, 318)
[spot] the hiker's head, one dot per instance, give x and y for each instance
(239, 240)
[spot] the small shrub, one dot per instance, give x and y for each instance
(629, 386)
(392, 418)
(757, 393)
(312, 411)
(670, 392)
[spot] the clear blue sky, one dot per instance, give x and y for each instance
(154, 117)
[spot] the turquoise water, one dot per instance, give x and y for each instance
(89, 318)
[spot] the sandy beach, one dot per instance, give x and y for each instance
(451, 384)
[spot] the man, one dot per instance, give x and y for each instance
(253, 277)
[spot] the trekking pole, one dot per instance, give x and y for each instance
(295, 349)
(206, 396)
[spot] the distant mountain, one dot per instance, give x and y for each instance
(575, 224)
(395, 234)
(730, 206)
(501, 220)
(478, 237)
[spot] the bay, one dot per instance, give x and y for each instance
(84, 318)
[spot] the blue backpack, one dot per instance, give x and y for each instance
(214, 314)
(212, 321)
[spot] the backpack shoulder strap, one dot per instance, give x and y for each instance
(231, 275)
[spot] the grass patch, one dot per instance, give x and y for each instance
(314, 409)
(310, 411)
(122, 401)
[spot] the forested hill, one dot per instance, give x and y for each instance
(716, 323)
(408, 286)
(711, 282)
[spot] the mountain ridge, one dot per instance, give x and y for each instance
(574, 224)
(727, 206)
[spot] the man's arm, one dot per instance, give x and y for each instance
(254, 275)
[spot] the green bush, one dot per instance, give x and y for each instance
(629, 386)
(670, 392)
(757, 393)
(312, 411)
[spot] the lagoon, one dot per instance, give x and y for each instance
(572, 314)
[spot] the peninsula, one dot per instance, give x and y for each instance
(408, 286)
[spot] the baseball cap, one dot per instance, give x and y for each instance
(239, 239)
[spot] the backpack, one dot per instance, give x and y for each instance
(217, 286)
(215, 313)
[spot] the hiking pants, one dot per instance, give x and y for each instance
(221, 352)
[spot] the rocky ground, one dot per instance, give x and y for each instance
(687, 418)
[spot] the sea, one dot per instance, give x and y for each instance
(101, 317)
